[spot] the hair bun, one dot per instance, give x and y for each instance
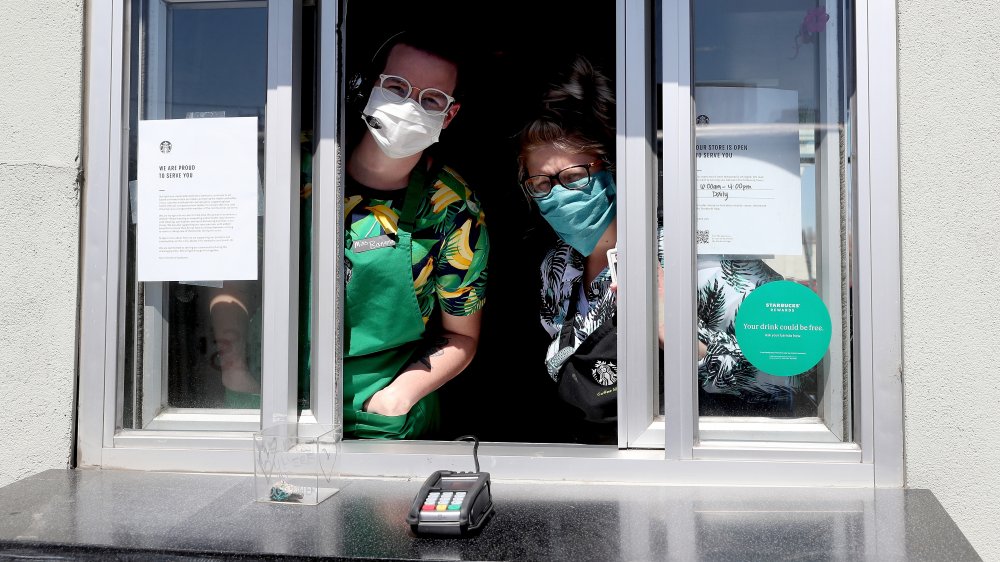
(581, 97)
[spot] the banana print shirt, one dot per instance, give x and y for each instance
(450, 245)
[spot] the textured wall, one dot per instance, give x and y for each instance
(41, 49)
(949, 170)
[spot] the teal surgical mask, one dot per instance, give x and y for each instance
(581, 213)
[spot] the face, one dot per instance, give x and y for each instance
(549, 160)
(424, 70)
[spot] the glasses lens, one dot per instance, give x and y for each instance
(396, 88)
(575, 177)
(434, 100)
(538, 186)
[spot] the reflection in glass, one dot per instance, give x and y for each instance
(772, 81)
(193, 344)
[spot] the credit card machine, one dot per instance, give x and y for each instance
(452, 503)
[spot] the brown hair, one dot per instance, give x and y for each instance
(576, 115)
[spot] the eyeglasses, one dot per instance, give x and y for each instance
(397, 89)
(575, 177)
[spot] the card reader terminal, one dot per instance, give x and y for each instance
(452, 503)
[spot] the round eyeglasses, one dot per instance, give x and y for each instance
(397, 89)
(574, 177)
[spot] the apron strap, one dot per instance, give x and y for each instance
(419, 180)
(569, 323)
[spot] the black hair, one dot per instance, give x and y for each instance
(433, 38)
(444, 45)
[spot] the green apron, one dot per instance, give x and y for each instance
(383, 328)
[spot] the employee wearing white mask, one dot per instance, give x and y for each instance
(416, 248)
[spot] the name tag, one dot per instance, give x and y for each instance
(365, 244)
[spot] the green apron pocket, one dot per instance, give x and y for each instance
(377, 426)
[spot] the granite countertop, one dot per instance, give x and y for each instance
(133, 515)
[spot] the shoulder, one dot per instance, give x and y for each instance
(561, 255)
(449, 190)
(561, 268)
(447, 173)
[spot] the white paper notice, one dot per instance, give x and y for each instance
(197, 199)
(749, 187)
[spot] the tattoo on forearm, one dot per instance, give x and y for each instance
(433, 349)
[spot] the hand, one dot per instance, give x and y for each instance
(387, 402)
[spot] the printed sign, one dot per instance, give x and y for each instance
(748, 181)
(197, 199)
(783, 328)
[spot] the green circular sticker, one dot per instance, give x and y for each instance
(783, 328)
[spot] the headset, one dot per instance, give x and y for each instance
(356, 87)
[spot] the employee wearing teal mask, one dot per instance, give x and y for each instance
(566, 169)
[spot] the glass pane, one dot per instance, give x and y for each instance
(772, 80)
(194, 343)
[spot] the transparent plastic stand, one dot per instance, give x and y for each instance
(296, 463)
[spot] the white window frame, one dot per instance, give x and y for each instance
(101, 364)
(156, 413)
(749, 457)
(712, 437)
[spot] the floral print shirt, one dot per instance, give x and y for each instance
(722, 286)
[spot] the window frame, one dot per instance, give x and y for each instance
(103, 264)
(875, 458)
(157, 414)
(710, 437)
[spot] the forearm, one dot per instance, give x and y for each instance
(717, 343)
(437, 366)
(702, 348)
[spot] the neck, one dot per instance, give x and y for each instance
(370, 167)
(598, 259)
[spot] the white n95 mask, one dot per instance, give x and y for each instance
(400, 129)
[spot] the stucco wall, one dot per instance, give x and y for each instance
(41, 48)
(949, 170)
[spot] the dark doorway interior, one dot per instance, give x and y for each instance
(514, 46)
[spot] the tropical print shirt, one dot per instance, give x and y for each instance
(722, 286)
(562, 275)
(450, 245)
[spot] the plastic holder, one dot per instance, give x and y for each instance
(296, 463)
